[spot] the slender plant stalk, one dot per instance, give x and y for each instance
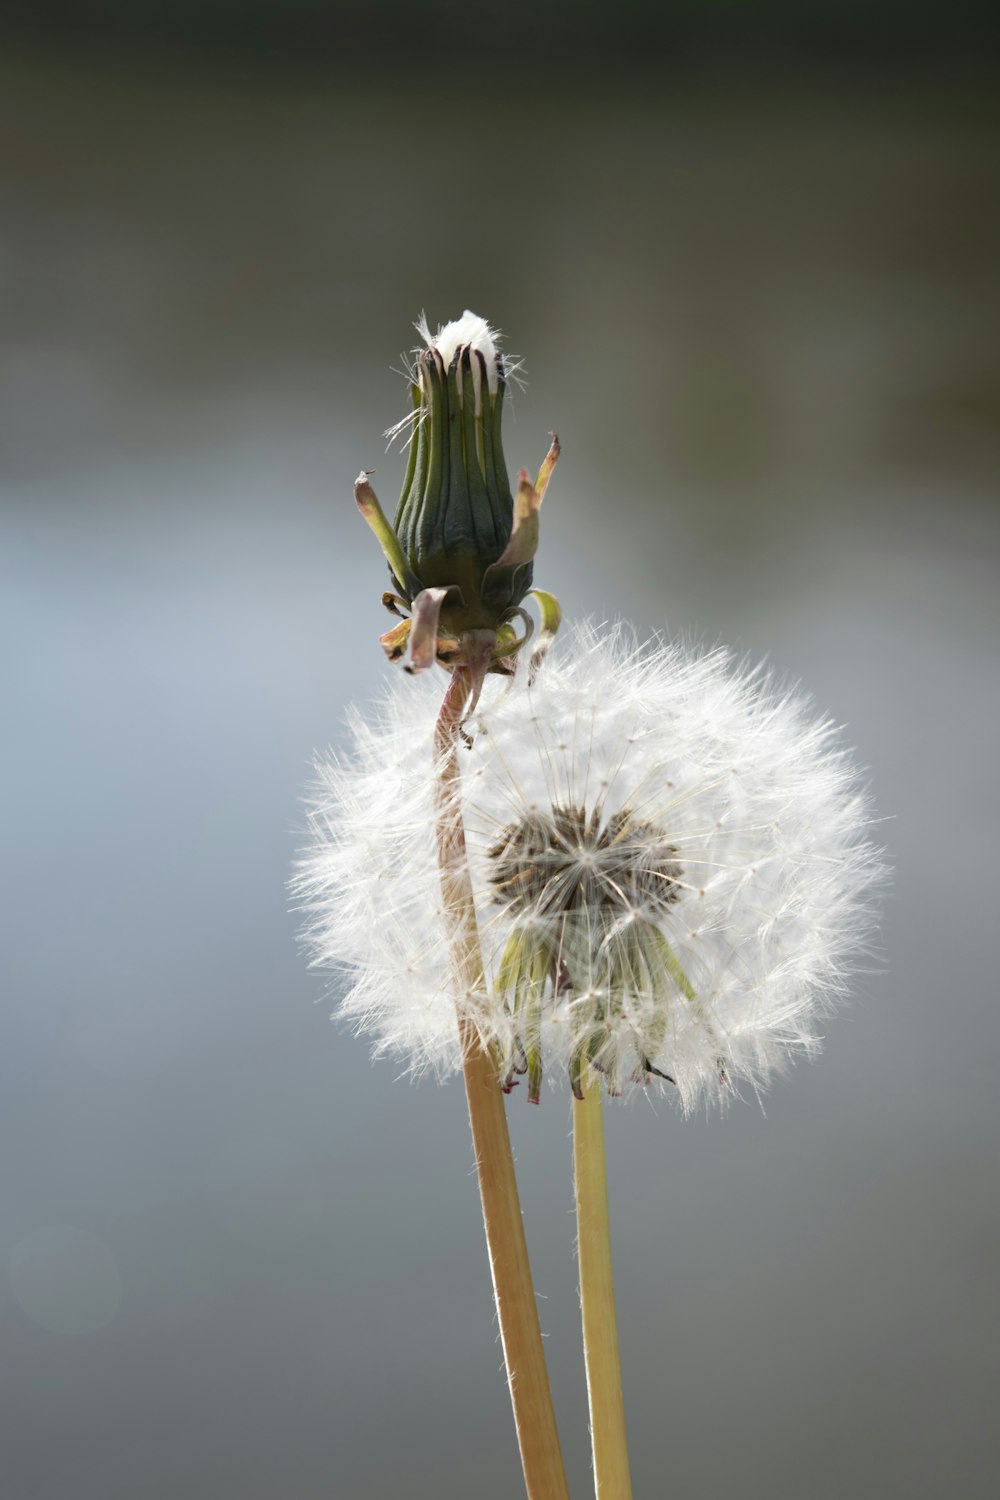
(597, 1298)
(520, 1332)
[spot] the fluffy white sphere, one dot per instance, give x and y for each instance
(672, 846)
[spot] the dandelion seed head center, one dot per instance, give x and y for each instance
(569, 860)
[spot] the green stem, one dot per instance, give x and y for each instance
(597, 1297)
(517, 1310)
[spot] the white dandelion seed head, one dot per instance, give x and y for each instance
(670, 861)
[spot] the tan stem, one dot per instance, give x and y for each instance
(597, 1298)
(520, 1331)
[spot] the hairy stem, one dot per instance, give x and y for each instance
(597, 1297)
(520, 1332)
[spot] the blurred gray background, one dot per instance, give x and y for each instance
(751, 263)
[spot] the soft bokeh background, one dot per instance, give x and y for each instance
(752, 264)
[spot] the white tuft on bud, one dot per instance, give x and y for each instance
(469, 330)
(669, 857)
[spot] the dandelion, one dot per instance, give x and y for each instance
(672, 880)
(649, 866)
(669, 863)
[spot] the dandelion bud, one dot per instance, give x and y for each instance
(456, 510)
(461, 548)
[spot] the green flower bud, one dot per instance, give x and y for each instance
(456, 510)
(461, 550)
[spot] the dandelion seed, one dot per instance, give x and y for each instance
(670, 861)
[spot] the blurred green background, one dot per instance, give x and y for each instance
(750, 255)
